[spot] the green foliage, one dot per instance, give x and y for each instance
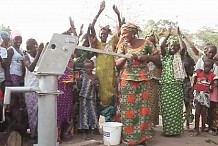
(156, 27)
(208, 35)
(5, 28)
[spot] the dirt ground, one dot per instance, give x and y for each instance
(184, 140)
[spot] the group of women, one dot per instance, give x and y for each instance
(152, 71)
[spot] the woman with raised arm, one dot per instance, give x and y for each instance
(65, 100)
(173, 74)
(136, 96)
(30, 60)
(105, 66)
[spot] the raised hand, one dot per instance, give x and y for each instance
(178, 31)
(40, 48)
(102, 6)
(71, 23)
(169, 30)
(81, 30)
(116, 10)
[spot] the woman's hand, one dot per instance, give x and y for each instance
(134, 57)
(40, 48)
(102, 6)
(116, 10)
(81, 30)
(178, 31)
(143, 58)
(169, 31)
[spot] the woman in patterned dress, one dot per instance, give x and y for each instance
(173, 74)
(30, 60)
(155, 71)
(65, 103)
(135, 86)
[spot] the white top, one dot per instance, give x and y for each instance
(16, 63)
(200, 65)
(30, 78)
(4, 55)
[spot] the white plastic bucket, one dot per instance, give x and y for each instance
(112, 133)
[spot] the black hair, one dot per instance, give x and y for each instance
(208, 62)
(30, 42)
(213, 47)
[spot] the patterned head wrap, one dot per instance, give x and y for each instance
(106, 28)
(173, 40)
(4, 35)
(1, 41)
(130, 27)
(15, 34)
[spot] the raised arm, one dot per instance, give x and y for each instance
(183, 47)
(118, 15)
(163, 43)
(72, 27)
(102, 7)
(191, 45)
(91, 35)
(31, 65)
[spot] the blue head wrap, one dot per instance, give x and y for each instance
(4, 35)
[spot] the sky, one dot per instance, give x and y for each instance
(39, 19)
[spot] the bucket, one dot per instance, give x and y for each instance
(112, 133)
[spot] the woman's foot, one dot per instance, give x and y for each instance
(191, 130)
(196, 133)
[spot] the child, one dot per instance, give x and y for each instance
(203, 80)
(30, 60)
(87, 112)
(187, 88)
(213, 110)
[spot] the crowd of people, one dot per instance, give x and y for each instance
(157, 78)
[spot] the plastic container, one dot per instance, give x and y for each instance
(112, 133)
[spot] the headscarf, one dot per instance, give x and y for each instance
(4, 35)
(130, 27)
(106, 28)
(178, 66)
(14, 34)
(1, 41)
(173, 39)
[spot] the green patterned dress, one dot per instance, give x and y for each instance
(171, 99)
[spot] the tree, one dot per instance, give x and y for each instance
(208, 35)
(156, 27)
(5, 28)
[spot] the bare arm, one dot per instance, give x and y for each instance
(194, 49)
(182, 45)
(163, 45)
(120, 62)
(92, 36)
(31, 65)
(72, 27)
(118, 15)
(8, 63)
(102, 7)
